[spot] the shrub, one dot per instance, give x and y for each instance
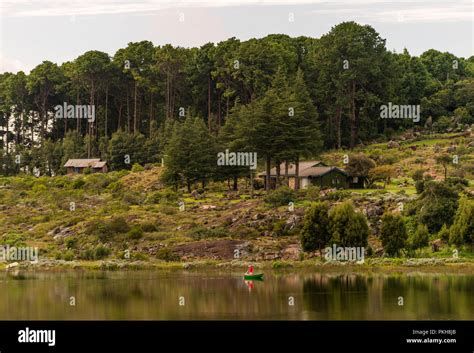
(420, 238)
(200, 232)
(135, 233)
(437, 205)
(337, 195)
(166, 254)
(347, 227)
(418, 174)
(393, 233)
(68, 255)
(419, 186)
(71, 243)
(148, 227)
(444, 233)
(78, 183)
(462, 229)
(312, 193)
(281, 196)
(101, 252)
(163, 196)
(87, 171)
(132, 198)
(315, 232)
(137, 168)
(118, 225)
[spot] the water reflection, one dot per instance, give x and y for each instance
(155, 296)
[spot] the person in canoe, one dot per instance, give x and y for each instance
(249, 271)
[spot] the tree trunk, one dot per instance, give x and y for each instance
(297, 172)
(151, 112)
(251, 184)
(353, 117)
(135, 110)
(338, 127)
(278, 180)
(287, 179)
(128, 110)
(267, 173)
(209, 103)
(106, 108)
(235, 186)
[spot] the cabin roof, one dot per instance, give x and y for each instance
(307, 169)
(85, 163)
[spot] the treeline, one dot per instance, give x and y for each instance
(285, 98)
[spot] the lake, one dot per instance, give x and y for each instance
(203, 295)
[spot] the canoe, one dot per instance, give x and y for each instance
(258, 276)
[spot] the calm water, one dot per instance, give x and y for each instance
(156, 296)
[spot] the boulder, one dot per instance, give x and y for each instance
(393, 144)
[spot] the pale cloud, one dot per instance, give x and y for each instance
(404, 10)
(11, 65)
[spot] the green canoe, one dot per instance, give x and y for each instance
(258, 276)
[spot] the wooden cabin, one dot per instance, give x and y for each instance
(77, 166)
(311, 173)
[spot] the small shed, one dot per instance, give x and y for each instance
(77, 166)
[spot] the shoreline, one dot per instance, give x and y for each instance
(465, 266)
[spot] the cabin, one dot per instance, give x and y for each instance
(77, 166)
(311, 173)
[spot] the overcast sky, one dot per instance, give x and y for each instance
(60, 30)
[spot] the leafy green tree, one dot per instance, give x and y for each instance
(315, 232)
(420, 238)
(393, 233)
(346, 226)
(462, 230)
(359, 166)
(437, 205)
(190, 154)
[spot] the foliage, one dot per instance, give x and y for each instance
(346, 226)
(393, 233)
(281, 196)
(315, 232)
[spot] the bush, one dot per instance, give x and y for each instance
(87, 171)
(420, 238)
(337, 195)
(312, 193)
(280, 197)
(462, 230)
(71, 243)
(166, 254)
(137, 168)
(437, 205)
(200, 232)
(135, 233)
(118, 225)
(148, 227)
(101, 252)
(347, 227)
(418, 174)
(132, 198)
(419, 186)
(315, 232)
(78, 183)
(68, 255)
(165, 196)
(444, 233)
(393, 233)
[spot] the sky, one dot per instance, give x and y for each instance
(32, 31)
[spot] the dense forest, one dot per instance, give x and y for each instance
(285, 98)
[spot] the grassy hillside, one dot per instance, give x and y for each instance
(122, 215)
